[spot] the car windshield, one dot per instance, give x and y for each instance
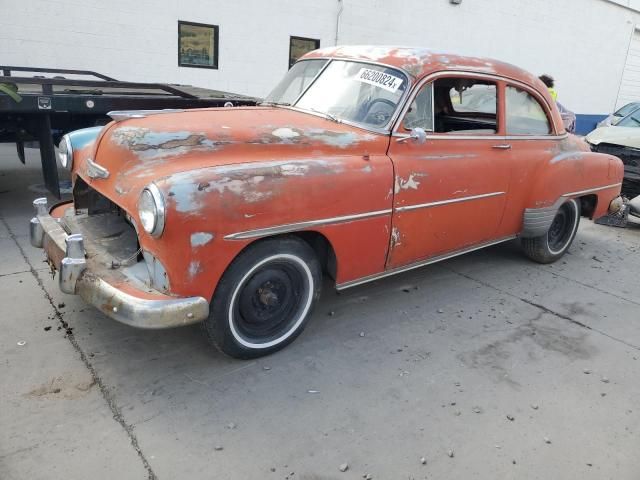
(351, 91)
(632, 120)
(627, 109)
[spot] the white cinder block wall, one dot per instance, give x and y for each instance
(582, 43)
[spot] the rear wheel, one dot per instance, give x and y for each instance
(552, 245)
(265, 298)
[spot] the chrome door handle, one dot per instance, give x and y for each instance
(502, 146)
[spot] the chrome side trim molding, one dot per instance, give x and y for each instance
(492, 137)
(550, 136)
(590, 190)
(422, 263)
(445, 202)
(293, 227)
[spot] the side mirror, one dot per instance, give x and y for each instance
(417, 134)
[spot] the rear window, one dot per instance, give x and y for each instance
(627, 109)
(480, 98)
(632, 120)
(465, 106)
(525, 115)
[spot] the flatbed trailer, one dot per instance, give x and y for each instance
(42, 109)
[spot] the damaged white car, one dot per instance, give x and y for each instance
(623, 141)
(619, 114)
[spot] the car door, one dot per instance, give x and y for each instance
(529, 130)
(450, 189)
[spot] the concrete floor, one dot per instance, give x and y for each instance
(471, 364)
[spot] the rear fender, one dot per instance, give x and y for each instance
(571, 174)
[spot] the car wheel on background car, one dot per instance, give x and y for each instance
(265, 298)
(552, 245)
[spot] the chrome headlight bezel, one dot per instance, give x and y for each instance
(65, 152)
(152, 199)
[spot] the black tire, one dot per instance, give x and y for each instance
(265, 298)
(552, 245)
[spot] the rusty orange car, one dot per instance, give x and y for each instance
(363, 162)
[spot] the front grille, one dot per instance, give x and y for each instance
(629, 156)
(90, 201)
(631, 159)
(105, 223)
(111, 236)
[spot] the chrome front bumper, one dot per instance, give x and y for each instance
(136, 307)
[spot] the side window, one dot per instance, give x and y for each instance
(525, 116)
(465, 106)
(420, 113)
(478, 98)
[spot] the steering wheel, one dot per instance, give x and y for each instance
(380, 117)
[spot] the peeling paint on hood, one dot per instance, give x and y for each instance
(157, 144)
(139, 151)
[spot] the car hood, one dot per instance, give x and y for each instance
(138, 151)
(625, 136)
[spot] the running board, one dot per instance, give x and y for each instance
(422, 263)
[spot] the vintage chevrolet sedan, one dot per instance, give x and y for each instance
(362, 163)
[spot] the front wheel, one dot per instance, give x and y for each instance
(265, 298)
(552, 245)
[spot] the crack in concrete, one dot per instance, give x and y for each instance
(546, 309)
(619, 297)
(104, 390)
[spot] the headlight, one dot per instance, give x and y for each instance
(151, 210)
(65, 152)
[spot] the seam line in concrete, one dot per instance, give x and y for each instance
(108, 397)
(546, 309)
(619, 297)
(13, 273)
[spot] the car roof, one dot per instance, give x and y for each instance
(418, 61)
(635, 105)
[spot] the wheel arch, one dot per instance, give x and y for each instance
(318, 242)
(588, 205)
(323, 248)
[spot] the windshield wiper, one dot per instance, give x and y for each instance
(328, 115)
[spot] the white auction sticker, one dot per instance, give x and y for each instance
(379, 79)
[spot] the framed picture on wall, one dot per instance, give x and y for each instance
(197, 45)
(298, 46)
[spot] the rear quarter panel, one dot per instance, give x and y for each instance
(555, 169)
